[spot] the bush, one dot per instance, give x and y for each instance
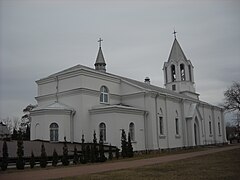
(124, 144)
(43, 160)
(102, 157)
(75, 156)
(84, 157)
(129, 147)
(55, 158)
(110, 156)
(4, 156)
(32, 160)
(20, 161)
(65, 160)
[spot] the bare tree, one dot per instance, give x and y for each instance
(26, 119)
(232, 98)
(8, 122)
(11, 123)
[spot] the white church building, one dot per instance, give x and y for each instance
(81, 100)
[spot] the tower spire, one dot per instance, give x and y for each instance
(174, 33)
(100, 64)
(100, 42)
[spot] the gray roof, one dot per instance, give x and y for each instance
(143, 85)
(55, 106)
(176, 52)
(100, 58)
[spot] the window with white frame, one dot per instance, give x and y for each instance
(219, 128)
(161, 125)
(177, 126)
(54, 132)
(132, 131)
(210, 127)
(104, 94)
(102, 131)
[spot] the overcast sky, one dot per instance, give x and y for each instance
(40, 37)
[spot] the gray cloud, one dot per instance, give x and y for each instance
(39, 38)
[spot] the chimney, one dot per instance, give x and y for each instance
(147, 80)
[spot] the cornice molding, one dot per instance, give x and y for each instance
(78, 72)
(116, 109)
(50, 111)
(72, 92)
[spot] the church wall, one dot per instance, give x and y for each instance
(115, 122)
(95, 83)
(161, 112)
(209, 132)
(69, 83)
(219, 134)
(47, 88)
(134, 100)
(126, 89)
(174, 111)
(81, 103)
(44, 122)
(152, 142)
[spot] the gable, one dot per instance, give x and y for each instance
(193, 111)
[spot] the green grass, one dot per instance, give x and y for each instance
(222, 165)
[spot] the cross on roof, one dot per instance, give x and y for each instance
(100, 42)
(174, 32)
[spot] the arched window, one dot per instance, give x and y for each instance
(132, 131)
(102, 131)
(177, 123)
(190, 73)
(104, 94)
(182, 72)
(177, 126)
(54, 132)
(166, 78)
(161, 125)
(173, 73)
(219, 128)
(210, 127)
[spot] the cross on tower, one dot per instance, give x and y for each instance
(100, 42)
(174, 32)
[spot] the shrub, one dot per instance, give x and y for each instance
(4, 156)
(129, 147)
(65, 160)
(43, 160)
(55, 158)
(110, 156)
(84, 157)
(32, 160)
(75, 156)
(102, 157)
(20, 152)
(124, 144)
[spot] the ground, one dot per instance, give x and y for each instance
(220, 163)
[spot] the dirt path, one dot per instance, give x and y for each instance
(97, 168)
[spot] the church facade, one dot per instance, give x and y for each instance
(81, 100)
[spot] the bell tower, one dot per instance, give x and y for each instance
(100, 63)
(178, 72)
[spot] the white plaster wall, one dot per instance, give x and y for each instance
(69, 83)
(174, 140)
(47, 88)
(95, 83)
(44, 122)
(161, 111)
(114, 123)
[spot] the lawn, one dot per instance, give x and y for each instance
(222, 165)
